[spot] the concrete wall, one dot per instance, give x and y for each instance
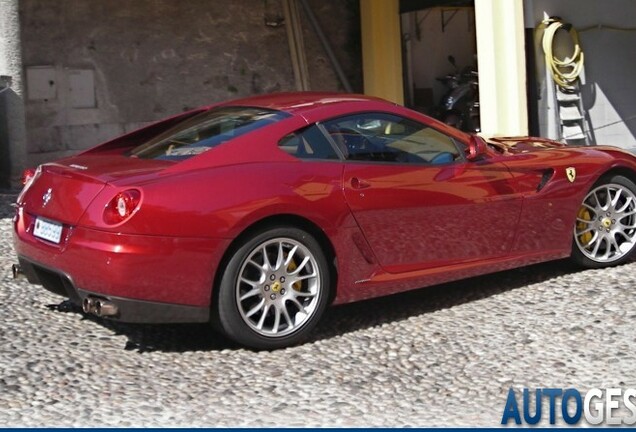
(96, 69)
(5, 153)
(607, 33)
(12, 117)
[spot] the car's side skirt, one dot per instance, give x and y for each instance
(385, 283)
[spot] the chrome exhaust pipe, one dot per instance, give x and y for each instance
(104, 308)
(88, 305)
(16, 269)
(99, 307)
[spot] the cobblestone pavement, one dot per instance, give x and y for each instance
(439, 356)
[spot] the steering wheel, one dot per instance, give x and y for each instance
(354, 141)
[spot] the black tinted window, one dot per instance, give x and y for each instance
(389, 138)
(309, 143)
(204, 131)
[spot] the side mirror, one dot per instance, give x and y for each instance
(476, 148)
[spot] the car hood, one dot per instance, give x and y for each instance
(516, 145)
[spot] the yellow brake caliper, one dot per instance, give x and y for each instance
(584, 214)
(290, 268)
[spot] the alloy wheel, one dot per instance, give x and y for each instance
(605, 229)
(278, 288)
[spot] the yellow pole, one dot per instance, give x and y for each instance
(382, 49)
(502, 67)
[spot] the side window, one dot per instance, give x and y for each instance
(309, 143)
(389, 138)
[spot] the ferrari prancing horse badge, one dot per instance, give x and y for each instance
(571, 173)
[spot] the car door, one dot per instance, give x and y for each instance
(417, 199)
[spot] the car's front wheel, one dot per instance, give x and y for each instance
(274, 289)
(605, 229)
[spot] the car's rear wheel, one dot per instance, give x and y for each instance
(274, 289)
(605, 229)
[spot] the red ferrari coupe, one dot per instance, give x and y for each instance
(258, 213)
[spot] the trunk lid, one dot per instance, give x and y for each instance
(63, 190)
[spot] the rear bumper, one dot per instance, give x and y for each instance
(128, 310)
(150, 278)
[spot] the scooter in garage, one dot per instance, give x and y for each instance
(459, 107)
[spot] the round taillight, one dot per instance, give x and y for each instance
(28, 175)
(122, 206)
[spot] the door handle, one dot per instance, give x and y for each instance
(357, 183)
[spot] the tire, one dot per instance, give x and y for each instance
(605, 227)
(274, 289)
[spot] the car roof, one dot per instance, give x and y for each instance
(298, 102)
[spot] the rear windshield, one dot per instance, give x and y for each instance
(200, 133)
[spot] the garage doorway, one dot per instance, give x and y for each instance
(440, 60)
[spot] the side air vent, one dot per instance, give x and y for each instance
(545, 178)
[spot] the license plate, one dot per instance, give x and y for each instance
(47, 230)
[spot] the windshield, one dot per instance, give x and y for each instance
(204, 131)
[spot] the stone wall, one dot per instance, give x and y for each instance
(96, 69)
